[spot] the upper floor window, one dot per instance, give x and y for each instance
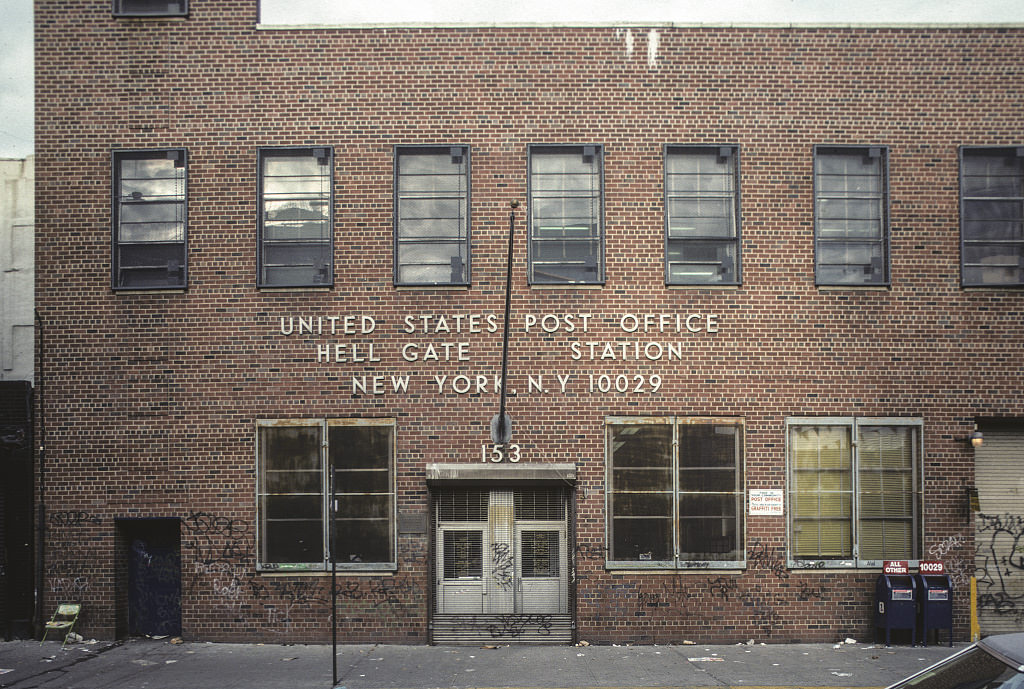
(150, 8)
(566, 215)
(675, 492)
(992, 216)
(295, 228)
(326, 489)
(854, 491)
(432, 215)
(851, 223)
(150, 219)
(702, 215)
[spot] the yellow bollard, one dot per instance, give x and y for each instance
(975, 628)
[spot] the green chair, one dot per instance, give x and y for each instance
(64, 618)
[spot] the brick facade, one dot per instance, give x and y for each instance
(152, 396)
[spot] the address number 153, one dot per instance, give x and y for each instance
(499, 453)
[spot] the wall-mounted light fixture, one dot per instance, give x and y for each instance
(976, 439)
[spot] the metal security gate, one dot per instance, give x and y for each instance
(999, 529)
(502, 567)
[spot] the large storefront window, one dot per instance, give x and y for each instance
(675, 492)
(294, 477)
(854, 491)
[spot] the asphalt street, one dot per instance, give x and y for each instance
(160, 664)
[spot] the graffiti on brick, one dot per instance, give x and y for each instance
(380, 592)
(762, 556)
(67, 569)
(220, 551)
(66, 518)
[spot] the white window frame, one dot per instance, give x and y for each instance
(678, 562)
(854, 423)
(325, 565)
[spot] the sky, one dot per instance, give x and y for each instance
(16, 70)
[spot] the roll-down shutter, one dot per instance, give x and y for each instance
(999, 530)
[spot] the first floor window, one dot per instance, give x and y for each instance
(992, 216)
(854, 490)
(566, 215)
(675, 491)
(851, 216)
(295, 243)
(150, 213)
(326, 492)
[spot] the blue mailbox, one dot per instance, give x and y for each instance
(896, 604)
(936, 591)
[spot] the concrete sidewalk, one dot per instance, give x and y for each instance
(159, 664)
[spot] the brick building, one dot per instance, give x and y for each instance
(765, 284)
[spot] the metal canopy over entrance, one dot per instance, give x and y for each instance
(502, 559)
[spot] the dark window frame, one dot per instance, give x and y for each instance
(320, 153)
(118, 205)
(1008, 151)
(884, 241)
(596, 151)
(325, 467)
(678, 560)
(733, 153)
(452, 150)
(118, 9)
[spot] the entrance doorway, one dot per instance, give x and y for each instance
(152, 550)
(502, 566)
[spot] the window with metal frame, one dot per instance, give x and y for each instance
(702, 218)
(296, 246)
(432, 215)
(675, 492)
(150, 213)
(854, 491)
(566, 215)
(992, 216)
(150, 8)
(851, 215)
(298, 461)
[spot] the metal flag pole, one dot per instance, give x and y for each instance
(501, 431)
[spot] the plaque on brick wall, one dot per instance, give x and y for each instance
(410, 521)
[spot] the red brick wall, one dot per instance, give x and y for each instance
(151, 398)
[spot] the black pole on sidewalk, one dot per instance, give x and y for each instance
(334, 580)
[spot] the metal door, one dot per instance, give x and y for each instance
(154, 577)
(501, 552)
(460, 569)
(541, 579)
